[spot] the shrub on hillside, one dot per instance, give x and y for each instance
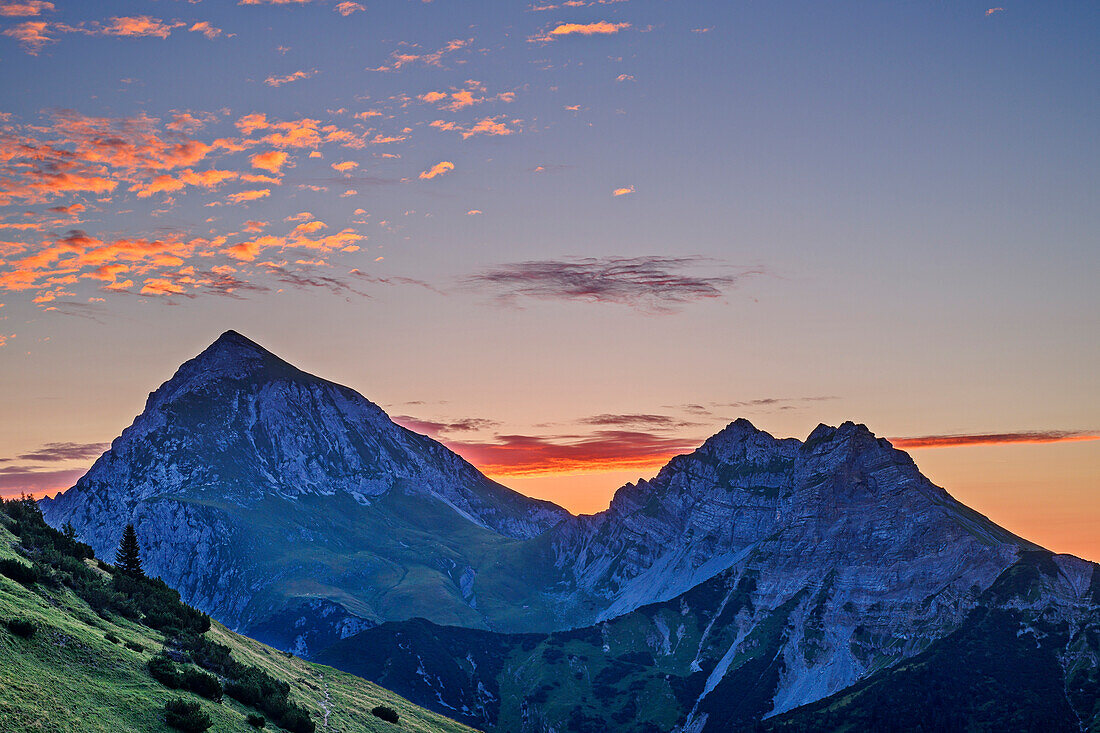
(164, 671)
(19, 572)
(112, 638)
(385, 712)
(201, 683)
(186, 716)
(23, 627)
(134, 646)
(256, 721)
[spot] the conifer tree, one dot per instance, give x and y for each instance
(128, 557)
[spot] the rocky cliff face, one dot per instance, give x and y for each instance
(842, 499)
(241, 458)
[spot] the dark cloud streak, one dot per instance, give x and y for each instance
(656, 285)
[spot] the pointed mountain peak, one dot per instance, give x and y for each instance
(739, 438)
(231, 356)
(231, 346)
(233, 339)
(735, 432)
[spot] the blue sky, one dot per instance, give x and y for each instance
(883, 212)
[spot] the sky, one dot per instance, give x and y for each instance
(570, 239)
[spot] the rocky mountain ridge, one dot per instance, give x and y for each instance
(293, 509)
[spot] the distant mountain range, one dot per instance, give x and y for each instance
(754, 582)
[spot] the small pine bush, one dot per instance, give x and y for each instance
(19, 572)
(164, 671)
(23, 627)
(201, 683)
(186, 716)
(386, 713)
(256, 721)
(134, 646)
(112, 638)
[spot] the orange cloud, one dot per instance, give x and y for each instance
(242, 196)
(278, 81)
(13, 8)
(168, 184)
(77, 255)
(948, 441)
(303, 133)
(489, 126)
(588, 29)
(991, 11)
(31, 34)
(473, 212)
(599, 28)
(78, 153)
(255, 178)
(437, 170)
(400, 59)
(206, 29)
(272, 160)
(472, 93)
(345, 166)
(603, 450)
(140, 25)
(250, 250)
(623, 191)
(347, 8)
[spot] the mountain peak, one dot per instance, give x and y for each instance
(233, 342)
(236, 339)
(233, 356)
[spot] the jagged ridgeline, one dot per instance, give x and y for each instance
(747, 579)
(86, 646)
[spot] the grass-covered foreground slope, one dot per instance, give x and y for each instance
(87, 670)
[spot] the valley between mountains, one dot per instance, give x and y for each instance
(754, 584)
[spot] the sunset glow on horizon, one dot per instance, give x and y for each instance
(570, 241)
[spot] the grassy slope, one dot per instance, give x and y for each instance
(68, 677)
(391, 560)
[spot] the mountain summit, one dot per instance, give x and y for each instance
(241, 464)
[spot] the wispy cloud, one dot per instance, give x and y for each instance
(654, 284)
(623, 191)
(53, 452)
(32, 35)
(637, 420)
(438, 169)
(602, 450)
(950, 440)
(278, 81)
(205, 28)
(410, 54)
(24, 8)
(773, 403)
(491, 126)
(598, 28)
(347, 8)
(435, 429)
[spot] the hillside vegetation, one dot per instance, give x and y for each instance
(77, 637)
